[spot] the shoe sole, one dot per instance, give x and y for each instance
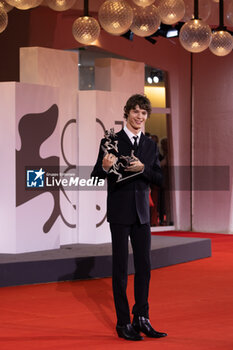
(121, 336)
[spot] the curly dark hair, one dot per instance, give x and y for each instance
(137, 100)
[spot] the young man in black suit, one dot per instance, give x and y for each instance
(129, 215)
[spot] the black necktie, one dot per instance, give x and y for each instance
(135, 144)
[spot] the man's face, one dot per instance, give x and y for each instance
(136, 119)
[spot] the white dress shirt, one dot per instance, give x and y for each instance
(131, 135)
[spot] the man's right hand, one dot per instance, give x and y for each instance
(108, 161)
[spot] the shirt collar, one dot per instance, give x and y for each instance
(131, 135)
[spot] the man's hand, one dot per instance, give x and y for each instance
(108, 161)
(135, 166)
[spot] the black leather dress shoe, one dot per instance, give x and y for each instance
(142, 324)
(128, 332)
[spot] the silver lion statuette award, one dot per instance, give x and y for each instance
(111, 146)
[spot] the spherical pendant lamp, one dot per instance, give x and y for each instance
(221, 43)
(143, 3)
(86, 30)
(24, 4)
(171, 11)
(146, 20)
(3, 20)
(5, 6)
(204, 10)
(195, 35)
(60, 5)
(115, 16)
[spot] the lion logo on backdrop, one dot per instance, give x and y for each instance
(34, 129)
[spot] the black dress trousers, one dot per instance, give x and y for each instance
(140, 237)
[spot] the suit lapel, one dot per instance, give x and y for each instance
(123, 136)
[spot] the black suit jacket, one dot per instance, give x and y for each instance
(128, 200)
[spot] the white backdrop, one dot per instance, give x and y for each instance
(46, 120)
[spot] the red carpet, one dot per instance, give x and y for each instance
(192, 302)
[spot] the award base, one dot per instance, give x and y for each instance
(129, 176)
